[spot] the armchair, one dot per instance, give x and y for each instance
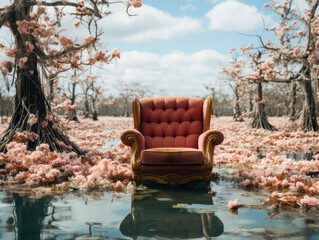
(171, 142)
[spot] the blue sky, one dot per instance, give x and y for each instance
(220, 40)
(180, 45)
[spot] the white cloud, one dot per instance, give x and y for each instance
(177, 73)
(187, 6)
(150, 23)
(232, 15)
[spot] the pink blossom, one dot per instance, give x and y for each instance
(65, 41)
(22, 62)
(88, 39)
(29, 46)
(76, 25)
(134, 3)
(5, 8)
(300, 186)
(233, 204)
(119, 186)
(10, 52)
(115, 53)
(44, 124)
(32, 119)
(310, 201)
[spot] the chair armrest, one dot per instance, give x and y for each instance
(136, 141)
(206, 143)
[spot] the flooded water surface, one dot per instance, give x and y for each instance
(153, 212)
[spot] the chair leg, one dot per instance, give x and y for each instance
(137, 180)
(207, 184)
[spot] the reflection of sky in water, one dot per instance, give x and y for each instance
(70, 216)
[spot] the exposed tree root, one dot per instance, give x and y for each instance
(259, 120)
(44, 130)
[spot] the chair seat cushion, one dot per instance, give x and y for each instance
(172, 156)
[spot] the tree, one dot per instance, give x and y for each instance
(262, 72)
(39, 44)
(235, 77)
(296, 51)
(73, 82)
(91, 92)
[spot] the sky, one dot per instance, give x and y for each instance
(175, 47)
(180, 45)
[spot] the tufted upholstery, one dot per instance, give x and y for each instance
(172, 142)
(171, 121)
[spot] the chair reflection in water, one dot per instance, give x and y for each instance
(171, 141)
(161, 214)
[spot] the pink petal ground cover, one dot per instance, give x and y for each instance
(288, 179)
(107, 167)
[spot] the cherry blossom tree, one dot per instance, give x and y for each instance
(262, 71)
(72, 95)
(296, 51)
(91, 92)
(39, 46)
(235, 76)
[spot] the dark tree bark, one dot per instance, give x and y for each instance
(237, 111)
(259, 119)
(251, 104)
(95, 115)
(72, 114)
(309, 116)
(292, 115)
(87, 108)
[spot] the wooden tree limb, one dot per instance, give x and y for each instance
(5, 17)
(63, 3)
(58, 55)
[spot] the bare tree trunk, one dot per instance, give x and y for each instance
(259, 119)
(292, 115)
(72, 114)
(86, 107)
(309, 116)
(94, 118)
(251, 104)
(95, 115)
(237, 112)
(51, 87)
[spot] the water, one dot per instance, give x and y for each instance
(155, 212)
(295, 156)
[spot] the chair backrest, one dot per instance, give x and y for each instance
(171, 121)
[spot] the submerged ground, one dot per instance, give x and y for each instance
(274, 176)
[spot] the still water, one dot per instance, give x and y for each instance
(152, 212)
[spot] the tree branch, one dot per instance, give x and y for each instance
(44, 56)
(63, 3)
(5, 17)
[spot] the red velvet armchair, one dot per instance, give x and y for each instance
(171, 142)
